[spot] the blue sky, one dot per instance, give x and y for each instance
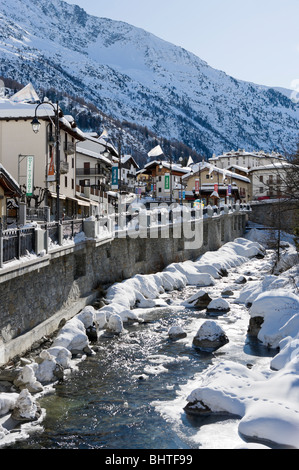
(252, 40)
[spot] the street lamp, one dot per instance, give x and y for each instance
(36, 125)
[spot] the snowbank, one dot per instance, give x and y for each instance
(280, 312)
(268, 408)
(143, 290)
(266, 402)
(7, 402)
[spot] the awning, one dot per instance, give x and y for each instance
(54, 195)
(83, 201)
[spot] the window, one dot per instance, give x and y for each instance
(261, 179)
(73, 183)
(65, 181)
(261, 190)
(65, 146)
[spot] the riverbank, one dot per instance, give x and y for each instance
(150, 294)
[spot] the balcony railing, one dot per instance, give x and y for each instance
(64, 168)
(91, 171)
(69, 148)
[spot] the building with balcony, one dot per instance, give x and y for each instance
(19, 146)
(269, 181)
(266, 171)
(94, 160)
(128, 173)
(214, 186)
(242, 159)
(164, 178)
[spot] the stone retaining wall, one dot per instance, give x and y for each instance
(37, 294)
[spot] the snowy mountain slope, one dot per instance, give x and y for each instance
(132, 75)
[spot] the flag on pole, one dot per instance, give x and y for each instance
(190, 161)
(104, 134)
(51, 170)
(155, 152)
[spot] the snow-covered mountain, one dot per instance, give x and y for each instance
(133, 75)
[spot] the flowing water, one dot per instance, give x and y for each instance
(131, 393)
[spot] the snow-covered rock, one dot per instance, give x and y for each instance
(219, 305)
(114, 308)
(47, 369)
(87, 316)
(194, 278)
(176, 332)
(115, 324)
(27, 379)
(200, 300)
(26, 408)
(210, 337)
(62, 356)
(289, 350)
(72, 336)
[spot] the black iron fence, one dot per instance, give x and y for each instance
(16, 243)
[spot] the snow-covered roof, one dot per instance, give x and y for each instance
(23, 105)
(9, 182)
(27, 94)
(174, 166)
(225, 173)
(243, 153)
(94, 137)
(90, 153)
(272, 166)
(126, 158)
(240, 168)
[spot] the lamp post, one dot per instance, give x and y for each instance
(36, 125)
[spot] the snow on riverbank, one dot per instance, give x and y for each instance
(266, 401)
(265, 407)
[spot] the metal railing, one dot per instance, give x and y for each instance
(15, 243)
(21, 241)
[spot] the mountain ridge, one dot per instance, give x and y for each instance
(134, 76)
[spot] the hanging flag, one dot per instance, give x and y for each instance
(51, 170)
(190, 161)
(26, 95)
(114, 181)
(167, 183)
(155, 152)
(104, 134)
(30, 176)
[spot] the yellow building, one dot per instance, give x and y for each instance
(214, 185)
